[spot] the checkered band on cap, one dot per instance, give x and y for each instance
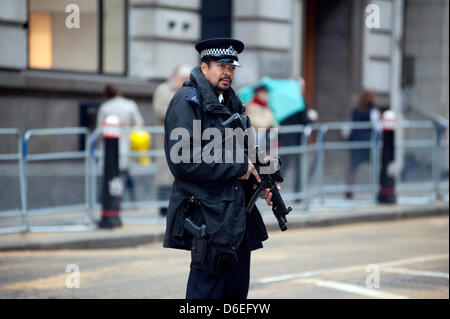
(218, 52)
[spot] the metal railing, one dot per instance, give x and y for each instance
(15, 207)
(63, 182)
(373, 146)
(303, 152)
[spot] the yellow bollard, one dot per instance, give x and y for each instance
(141, 141)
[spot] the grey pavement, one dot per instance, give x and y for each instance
(405, 258)
(139, 230)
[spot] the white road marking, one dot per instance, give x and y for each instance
(413, 260)
(308, 274)
(351, 268)
(414, 272)
(374, 292)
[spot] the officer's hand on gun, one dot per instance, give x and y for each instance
(268, 187)
(266, 194)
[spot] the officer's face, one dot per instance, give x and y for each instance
(219, 74)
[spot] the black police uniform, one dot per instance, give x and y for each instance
(221, 197)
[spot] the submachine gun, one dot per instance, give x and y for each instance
(268, 180)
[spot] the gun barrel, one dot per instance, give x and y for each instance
(282, 222)
(279, 209)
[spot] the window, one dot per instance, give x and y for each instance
(96, 45)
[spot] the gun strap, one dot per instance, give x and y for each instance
(254, 198)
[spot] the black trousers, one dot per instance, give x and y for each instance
(230, 283)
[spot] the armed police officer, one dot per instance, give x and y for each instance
(206, 212)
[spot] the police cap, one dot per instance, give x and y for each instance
(223, 50)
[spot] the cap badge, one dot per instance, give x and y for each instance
(231, 51)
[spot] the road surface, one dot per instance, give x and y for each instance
(395, 259)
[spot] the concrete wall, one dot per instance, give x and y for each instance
(427, 41)
(13, 41)
(40, 110)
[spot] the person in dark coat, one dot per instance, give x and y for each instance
(218, 189)
(365, 111)
(294, 139)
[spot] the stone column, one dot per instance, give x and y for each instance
(162, 34)
(265, 26)
(382, 52)
(13, 35)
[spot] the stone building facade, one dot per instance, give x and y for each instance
(136, 43)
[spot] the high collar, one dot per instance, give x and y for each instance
(209, 97)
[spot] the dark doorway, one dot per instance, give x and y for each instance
(328, 58)
(88, 118)
(216, 19)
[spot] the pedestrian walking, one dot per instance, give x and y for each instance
(129, 115)
(365, 111)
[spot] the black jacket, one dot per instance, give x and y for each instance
(215, 186)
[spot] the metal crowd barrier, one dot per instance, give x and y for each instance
(441, 144)
(373, 146)
(56, 177)
(303, 150)
(433, 148)
(324, 188)
(10, 208)
(73, 183)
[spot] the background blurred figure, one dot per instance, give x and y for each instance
(128, 113)
(161, 99)
(365, 110)
(261, 116)
(295, 139)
